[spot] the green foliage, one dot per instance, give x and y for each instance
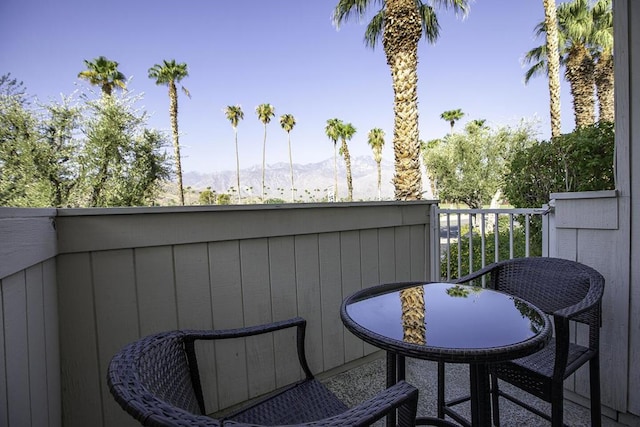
(275, 201)
(18, 145)
(207, 197)
(122, 161)
(65, 155)
(468, 167)
(224, 199)
(504, 238)
(578, 161)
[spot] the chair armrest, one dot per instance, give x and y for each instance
(245, 332)
(591, 300)
(475, 275)
(401, 395)
(190, 336)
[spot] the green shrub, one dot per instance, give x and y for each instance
(519, 247)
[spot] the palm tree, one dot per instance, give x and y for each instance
(376, 142)
(168, 74)
(452, 116)
(575, 33)
(401, 24)
(346, 132)
(234, 115)
(104, 73)
(287, 121)
(265, 112)
(575, 22)
(602, 46)
(553, 65)
(333, 132)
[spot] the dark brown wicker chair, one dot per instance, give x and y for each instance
(156, 380)
(566, 290)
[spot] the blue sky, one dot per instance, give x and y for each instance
(283, 52)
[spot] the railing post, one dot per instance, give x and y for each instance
(435, 243)
(549, 230)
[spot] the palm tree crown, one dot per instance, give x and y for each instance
(452, 116)
(234, 114)
(104, 73)
(287, 121)
(169, 73)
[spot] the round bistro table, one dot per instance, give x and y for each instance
(449, 323)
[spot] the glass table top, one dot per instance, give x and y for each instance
(448, 316)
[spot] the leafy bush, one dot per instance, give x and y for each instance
(519, 247)
(578, 161)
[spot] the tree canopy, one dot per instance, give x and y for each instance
(469, 166)
(73, 155)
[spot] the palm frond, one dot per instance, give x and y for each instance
(539, 68)
(374, 30)
(460, 7)
(430, 25)
(349, 9)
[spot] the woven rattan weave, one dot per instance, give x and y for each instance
(156, 380)
(569, 292)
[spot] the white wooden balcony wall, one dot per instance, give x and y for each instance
(29, 353)
(126, 273)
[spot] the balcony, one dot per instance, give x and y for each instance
(79, 284)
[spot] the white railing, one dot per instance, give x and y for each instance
(458, 232)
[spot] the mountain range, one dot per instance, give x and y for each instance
(312, 182)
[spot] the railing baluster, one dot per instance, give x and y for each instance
(526, 235)
(470, 222)
(448, 246)
(510, 236)
(496, 237)
(459, 247)
(522, 227)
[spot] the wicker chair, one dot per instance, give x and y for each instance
(156, 380)
(568, 291)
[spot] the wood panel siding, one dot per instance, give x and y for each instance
(27, 237)
(594, 242)
(129, 273)
(29, 361)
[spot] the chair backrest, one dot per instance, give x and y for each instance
(151, 378)
(551, 284)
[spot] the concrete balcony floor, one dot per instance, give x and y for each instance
(356, 384)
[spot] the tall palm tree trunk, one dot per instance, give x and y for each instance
(335, 171)
(235, 131)
(402, 32)
(379, 167)
(291, 166)
(604, 87)
(579, 73)
(347, 163)
(173, 112)
(264, 160)
(400, 40)
(553, 64)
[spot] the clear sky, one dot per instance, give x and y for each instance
(283, 52)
